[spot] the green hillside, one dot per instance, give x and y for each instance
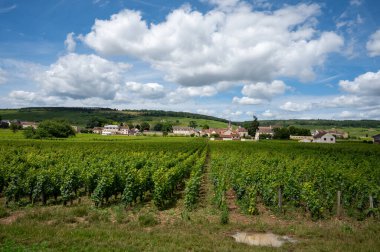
(355, 128)
(81, 116)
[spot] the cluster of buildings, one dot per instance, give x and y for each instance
(239, 133)
(215, 133)
(108, 130)
(22, 124)
(318, 136)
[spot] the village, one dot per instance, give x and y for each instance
(230, 133)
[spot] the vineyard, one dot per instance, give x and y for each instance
(171, 194)
(285, 175)
(35, 172)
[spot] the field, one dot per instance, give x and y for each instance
(175, 194)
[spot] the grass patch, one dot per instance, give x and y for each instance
(147, 220)
(3, 212)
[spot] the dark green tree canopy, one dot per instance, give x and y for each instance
(145, 126)
(193, 124)
(50, 129)
(253, 126)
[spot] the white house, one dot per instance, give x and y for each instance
(264, 131)
(242, 132)
(110, 129)
(97, 130)
(123, 131)
(323, 137)
(185, 131)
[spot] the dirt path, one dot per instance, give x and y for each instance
(236, 215)
(12, 218)
(205, 192)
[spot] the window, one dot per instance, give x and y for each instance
(332, 139)
(324, 138)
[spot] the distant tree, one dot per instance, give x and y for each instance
(137, 126)
(281, 133)
(15, 127)
(167, 127)
(158, 127)
(193, 124)
(293, 131)
(205, 126)
(130, 125)
(29, 132)
(51, 129)
(253, 126)
(95, 122)
(145, 126)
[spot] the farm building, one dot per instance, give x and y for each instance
(110, 130)
(376, 139)
(123, 131)
(323, 137)
(242, 132)
(185, 131)
(97, 130)
(264, 131)
(34, 125)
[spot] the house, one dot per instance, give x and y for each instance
(264, 131)
(242, 131)
(184, 131)
(133, 132)
(34, 125)
(324, 137)
(110, 130)
(336, 133)
(5, 124)
(123, 130)
(376, 139)
(97, 130)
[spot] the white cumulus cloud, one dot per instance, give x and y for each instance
(367, 84)
(240, 44)
(148, 90)
(295, 107)
(263, 90)
(70, 42)
(82, 76)
(373, 44)
(247, 101)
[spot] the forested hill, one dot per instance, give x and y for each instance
(81, 116)
(323, 123)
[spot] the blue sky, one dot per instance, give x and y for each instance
(228, 58)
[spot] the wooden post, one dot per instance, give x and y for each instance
(371, 205)
(338, 206)
(280, 198)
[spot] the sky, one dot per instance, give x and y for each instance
(280, 59)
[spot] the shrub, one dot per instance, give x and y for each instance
(50, 129)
